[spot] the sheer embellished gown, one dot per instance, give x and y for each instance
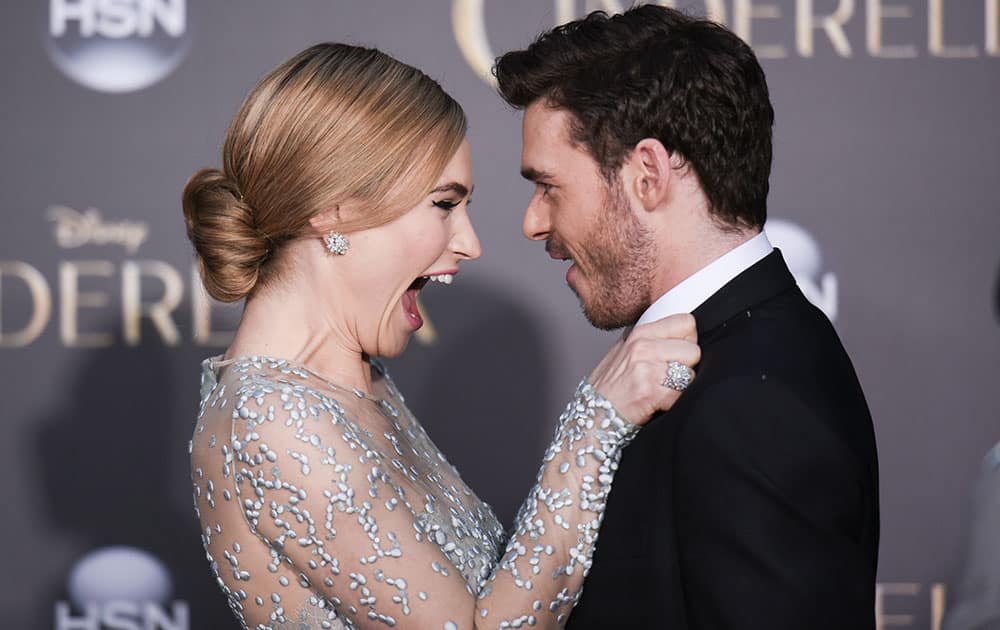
(325, 507)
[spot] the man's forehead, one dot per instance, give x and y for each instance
(544, 118)
(548, 146)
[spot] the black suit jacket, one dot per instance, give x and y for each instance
(753, 503)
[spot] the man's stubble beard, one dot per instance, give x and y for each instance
(621, 260)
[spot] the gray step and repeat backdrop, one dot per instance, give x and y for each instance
(884, 200)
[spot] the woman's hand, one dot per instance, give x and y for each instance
(633, 372)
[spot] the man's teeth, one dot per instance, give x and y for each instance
(444, 278)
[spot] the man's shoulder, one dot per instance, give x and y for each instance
(784, 324)
(772, 390)
(785, 340)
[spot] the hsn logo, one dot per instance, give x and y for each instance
(117, 45)
(120, 588)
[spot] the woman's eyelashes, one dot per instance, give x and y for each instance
(447, 204)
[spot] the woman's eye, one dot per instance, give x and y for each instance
(545, 188)
(445, 204)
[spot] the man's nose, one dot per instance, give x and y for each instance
(536, 225)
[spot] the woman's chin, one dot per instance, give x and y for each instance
(396, 334)
(395, 343)
(396, 350)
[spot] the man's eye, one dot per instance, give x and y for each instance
(444, 204)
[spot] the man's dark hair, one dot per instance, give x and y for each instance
(654, 72)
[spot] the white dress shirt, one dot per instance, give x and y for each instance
(698, 287)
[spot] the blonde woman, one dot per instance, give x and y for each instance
(323, 503)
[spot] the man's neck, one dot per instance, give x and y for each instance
(686, 256)
(694, 283)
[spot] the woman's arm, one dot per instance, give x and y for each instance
(321, 498)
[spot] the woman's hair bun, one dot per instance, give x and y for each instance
(221, 226)
(333, 124)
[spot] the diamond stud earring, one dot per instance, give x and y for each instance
(336, 243)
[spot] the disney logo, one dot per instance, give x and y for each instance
(74, 228)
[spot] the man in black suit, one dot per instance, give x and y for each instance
(753, 503)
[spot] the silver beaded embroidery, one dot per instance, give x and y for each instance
(324, 508)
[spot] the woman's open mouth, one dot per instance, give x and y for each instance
(410, 306)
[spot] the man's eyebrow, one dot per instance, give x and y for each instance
(454, 187)
(535, 175)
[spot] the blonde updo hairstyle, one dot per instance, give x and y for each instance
(335, 123)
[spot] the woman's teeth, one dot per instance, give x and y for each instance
(444, 278)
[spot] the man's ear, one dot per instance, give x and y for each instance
(651, 173)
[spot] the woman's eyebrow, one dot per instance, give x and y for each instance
(454, 187)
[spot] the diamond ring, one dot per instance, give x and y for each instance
(679, 376)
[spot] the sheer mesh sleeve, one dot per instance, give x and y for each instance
(555, 531)
(331, 510)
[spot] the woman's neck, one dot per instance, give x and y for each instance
(277, 323)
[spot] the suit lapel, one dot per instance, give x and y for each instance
(764, 280)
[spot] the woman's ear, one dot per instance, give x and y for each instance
(326, 220)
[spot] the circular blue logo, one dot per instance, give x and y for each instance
(115, 574)
(117, 46)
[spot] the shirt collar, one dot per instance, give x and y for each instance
(695, 289)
